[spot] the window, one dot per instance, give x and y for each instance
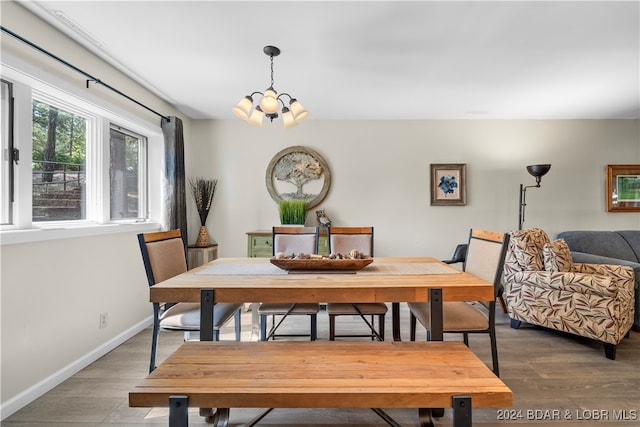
(7, 153)
(80, 164)
(127, 174)
(58, 164)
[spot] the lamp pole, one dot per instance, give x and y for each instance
(537, 171)
(523, 203)
(521, 207)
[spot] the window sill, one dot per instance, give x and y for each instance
(70, 231)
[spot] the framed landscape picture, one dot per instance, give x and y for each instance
(623, 188)
(448, 184)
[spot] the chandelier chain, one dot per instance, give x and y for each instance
(271, 56)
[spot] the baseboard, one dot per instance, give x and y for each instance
(32, 393)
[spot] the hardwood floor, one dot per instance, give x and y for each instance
(556, 379)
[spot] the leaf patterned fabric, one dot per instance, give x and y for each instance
(526, 247)
(590, 300)
(557, 256)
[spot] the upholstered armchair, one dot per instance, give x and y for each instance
(544, 287)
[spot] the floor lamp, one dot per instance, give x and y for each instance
(538, 171)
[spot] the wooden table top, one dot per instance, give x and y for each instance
(323, 286)
(320, 374)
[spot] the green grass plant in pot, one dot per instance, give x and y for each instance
(292, 212)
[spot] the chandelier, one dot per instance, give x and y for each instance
(270, 102)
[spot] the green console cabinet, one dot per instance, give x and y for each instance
(260, 244)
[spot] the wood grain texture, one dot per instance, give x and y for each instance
(318, 287)
(322, 375)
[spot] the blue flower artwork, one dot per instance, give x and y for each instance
(447, 184)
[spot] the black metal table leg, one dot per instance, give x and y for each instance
(206, 314)
(395, 320)
(435, 334)
(220, 417)
(257, 419)
(424, 417)
(382, 414)
(178, 411)
(435, 302)
(462, 411)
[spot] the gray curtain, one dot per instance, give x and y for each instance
(173, 184)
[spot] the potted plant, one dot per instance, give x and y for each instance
(292, 212)
(203, 191)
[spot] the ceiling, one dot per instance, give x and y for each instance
(374, 60)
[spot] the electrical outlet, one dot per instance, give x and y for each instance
(104, 320)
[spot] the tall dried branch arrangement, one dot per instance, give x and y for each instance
(203, 190)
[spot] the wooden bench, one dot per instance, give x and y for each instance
(321, 374)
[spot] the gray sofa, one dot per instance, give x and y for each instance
(608, 247)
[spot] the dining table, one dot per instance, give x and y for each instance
(387, 279)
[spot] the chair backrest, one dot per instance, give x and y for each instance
(486, 253)
(342, 240)
(459, 255)
(525, 251)
(163, 255)
(294, 240)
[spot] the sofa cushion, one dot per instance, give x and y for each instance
(633, 239)
(557, 256)
(604, 243)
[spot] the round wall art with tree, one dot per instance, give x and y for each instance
(298, 173)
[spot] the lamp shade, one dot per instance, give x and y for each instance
(269, 102)
(243, 107)
(256, 117)
(287, 118)
(538, 170)
(299, 112)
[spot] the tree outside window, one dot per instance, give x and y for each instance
(58, 164)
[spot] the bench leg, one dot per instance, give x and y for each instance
(178, 411)
(424, 417)
(220, 418)
(386, 417)
(257, 419)
(462, 411)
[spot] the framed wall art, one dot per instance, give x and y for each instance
(448, 184)
(623, 188)
(298, 173)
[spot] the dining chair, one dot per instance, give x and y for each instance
(289, 241)
(459, 255)
(342, 240)
(485, 257)
(164, 257)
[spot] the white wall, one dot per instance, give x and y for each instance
(52, 295)
(53, 289)
(380, 176)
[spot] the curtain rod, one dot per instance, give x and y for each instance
(89, 77)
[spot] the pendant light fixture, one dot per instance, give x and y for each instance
(270, 102)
